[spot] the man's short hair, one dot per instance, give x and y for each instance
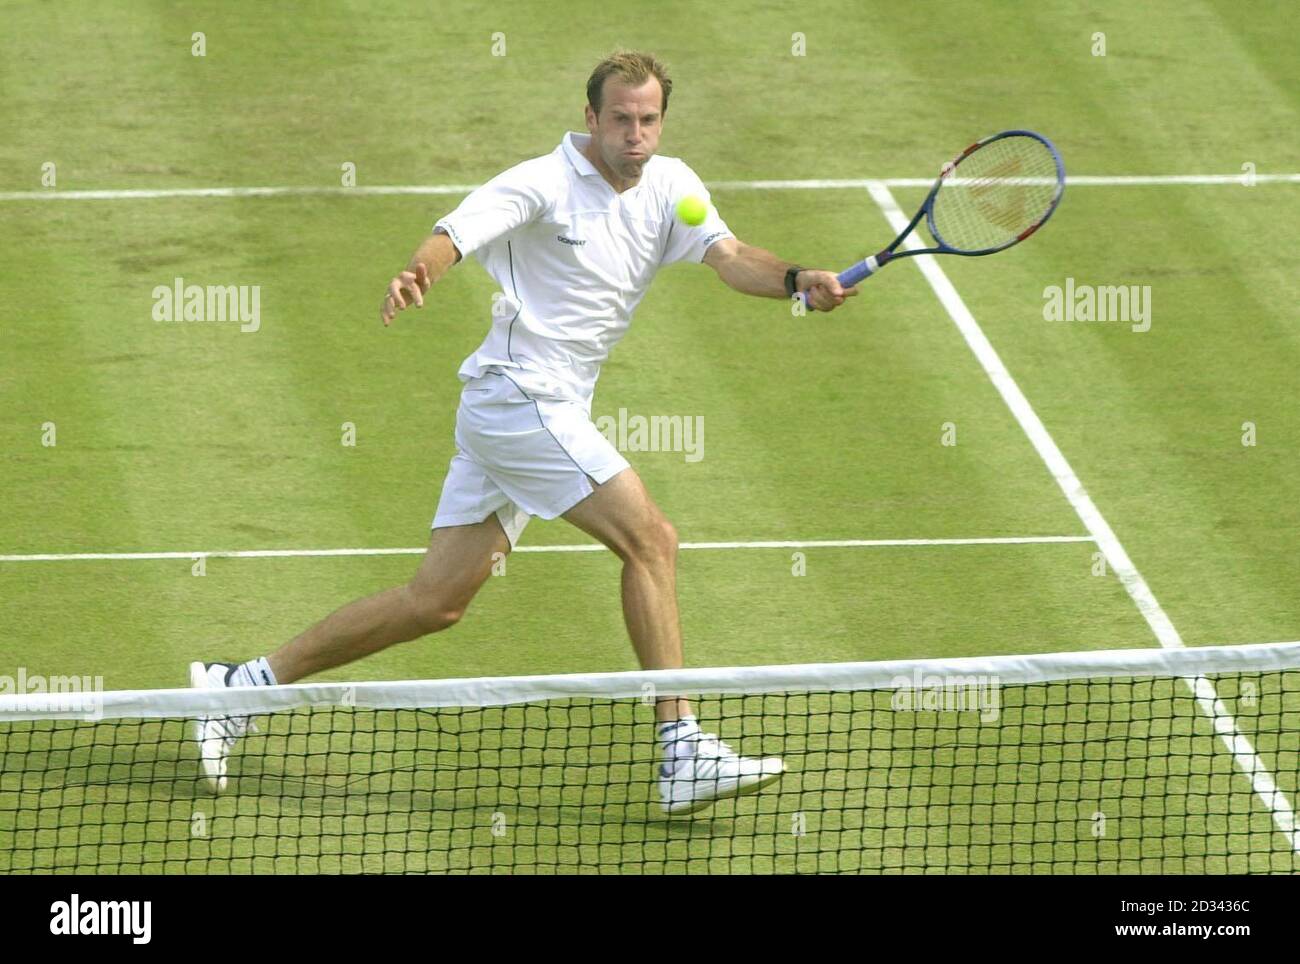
(633, 68)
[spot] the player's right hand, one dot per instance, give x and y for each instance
(407, 289)
(822, 289)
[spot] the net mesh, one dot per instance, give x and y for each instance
(907, 771)
(995, 194)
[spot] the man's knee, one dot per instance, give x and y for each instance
(654, 543)
(431, 610)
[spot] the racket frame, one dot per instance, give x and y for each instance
(869, 266)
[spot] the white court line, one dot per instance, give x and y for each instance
(581, 547)
(1078, 180)
(1224, 725)
(1071, 180)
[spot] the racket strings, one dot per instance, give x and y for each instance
(995, 194)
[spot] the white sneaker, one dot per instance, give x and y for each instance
(216, 735)
(715, 772)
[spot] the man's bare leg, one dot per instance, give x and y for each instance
(622, 515)
(458, 562)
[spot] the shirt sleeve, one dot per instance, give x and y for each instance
(686, 243)
(510, 199)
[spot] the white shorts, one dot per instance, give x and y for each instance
(520, 456)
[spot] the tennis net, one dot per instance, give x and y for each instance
(1133, 761)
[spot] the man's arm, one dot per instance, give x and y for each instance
(432, 259)
(754, 271)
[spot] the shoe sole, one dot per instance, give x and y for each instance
(742, 790)
(216, 782)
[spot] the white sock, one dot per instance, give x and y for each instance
(256, 672)
(677, 740)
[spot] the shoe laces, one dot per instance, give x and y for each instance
(231, 728)
(712, 746)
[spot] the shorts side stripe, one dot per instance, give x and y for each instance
(538, 410)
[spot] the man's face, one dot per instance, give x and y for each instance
(626, 133)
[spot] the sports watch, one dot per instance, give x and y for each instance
(791, 276)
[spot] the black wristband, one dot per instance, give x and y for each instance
(791, 276)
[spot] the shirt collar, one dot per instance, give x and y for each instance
(573, 144)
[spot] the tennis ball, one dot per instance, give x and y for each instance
(692, 210)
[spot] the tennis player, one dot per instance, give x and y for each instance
(574, 239)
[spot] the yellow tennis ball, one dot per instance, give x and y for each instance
(692, 210)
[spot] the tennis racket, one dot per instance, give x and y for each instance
(996, 193)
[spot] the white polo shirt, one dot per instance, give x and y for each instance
(574, 259)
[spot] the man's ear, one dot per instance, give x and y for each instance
(591, 119)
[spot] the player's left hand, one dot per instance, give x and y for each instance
(823, 289)
(408, 288)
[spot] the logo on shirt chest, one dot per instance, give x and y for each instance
(575, 242)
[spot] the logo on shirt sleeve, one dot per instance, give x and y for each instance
(576, 242)
(449, 229)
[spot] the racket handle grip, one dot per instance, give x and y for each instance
(859, 272)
